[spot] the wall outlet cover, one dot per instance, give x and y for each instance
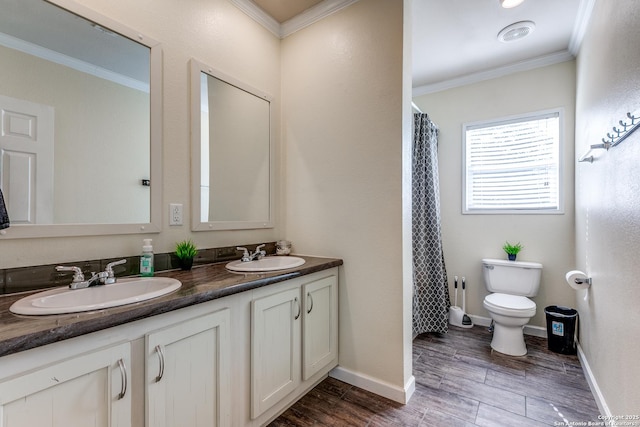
(175, 214)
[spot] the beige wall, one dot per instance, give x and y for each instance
(342, 126)
(608, 204)
(339, 171)
(548, 239)
(216, 33)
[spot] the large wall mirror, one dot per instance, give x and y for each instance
(231, 146)
(80, 143)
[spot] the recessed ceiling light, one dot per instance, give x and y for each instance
(508, 4)
(516, 31)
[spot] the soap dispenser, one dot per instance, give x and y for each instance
(146, 259)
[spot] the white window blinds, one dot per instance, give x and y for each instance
(513, 166)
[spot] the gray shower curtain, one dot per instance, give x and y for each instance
(430, 289)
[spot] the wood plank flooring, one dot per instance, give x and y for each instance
(461, 382)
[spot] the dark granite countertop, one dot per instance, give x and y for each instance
(201, 284)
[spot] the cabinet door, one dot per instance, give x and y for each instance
(320, 325)
(188, 366)
(88, 390)
(275, 348)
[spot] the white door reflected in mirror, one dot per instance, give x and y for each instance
(101, 82)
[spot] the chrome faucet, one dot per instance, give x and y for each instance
(248, 256)
(105, 277)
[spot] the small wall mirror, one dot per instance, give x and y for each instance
(80, 100)
(231, 146)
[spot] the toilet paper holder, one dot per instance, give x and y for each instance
(580, 281)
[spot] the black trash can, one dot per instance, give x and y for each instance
(561, 328)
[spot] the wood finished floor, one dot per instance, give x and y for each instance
(461, 382)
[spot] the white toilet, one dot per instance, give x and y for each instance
(510, 283)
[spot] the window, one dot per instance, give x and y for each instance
(513, 165)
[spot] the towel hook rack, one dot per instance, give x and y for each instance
(615, 138)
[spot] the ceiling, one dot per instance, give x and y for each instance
(283, 10)
(50, 32)
(455, 41)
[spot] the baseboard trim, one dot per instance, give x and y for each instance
(374, 385)
(480, 321)
(536, 331)
(593, 384)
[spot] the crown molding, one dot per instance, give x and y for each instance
(585, 10)
(306, 18)
(74, 63)
(541, 61)
(312, 15)
(259, 15)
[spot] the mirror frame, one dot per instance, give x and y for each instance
(155, 94)
(197, 68)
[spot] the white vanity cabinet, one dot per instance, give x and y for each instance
(294, 339)
(162, 371)
(92, 389)
(239, 360)
(320, 325)
(275, 348)
(188, 373)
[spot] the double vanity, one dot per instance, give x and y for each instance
(218, 345)
(224, 348)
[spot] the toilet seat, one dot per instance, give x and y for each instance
(510, 305)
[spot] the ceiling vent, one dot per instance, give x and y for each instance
(516, 31)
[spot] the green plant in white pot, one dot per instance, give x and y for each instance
(512, 250)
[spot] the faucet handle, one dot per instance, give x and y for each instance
(77, 272)
(245, 254)
(107, 276)
(109, 268)
(259, 253)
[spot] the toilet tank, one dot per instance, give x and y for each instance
(512, 277)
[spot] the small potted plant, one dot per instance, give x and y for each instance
(186, 251)
(512, 250)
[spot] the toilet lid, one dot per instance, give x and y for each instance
(511, 302)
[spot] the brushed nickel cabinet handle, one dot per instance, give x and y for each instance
(310, 297)
(123, 375)
(161, 359)
(299, 310)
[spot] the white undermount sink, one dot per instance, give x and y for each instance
(124, 291)
(270, 263)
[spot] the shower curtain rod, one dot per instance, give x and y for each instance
(415, 107)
